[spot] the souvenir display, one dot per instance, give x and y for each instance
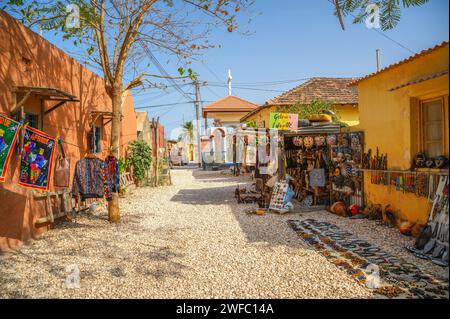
(298, 141)
(331, 139)
(91, 179)
(308, 163)
(319, 140)
(422, 184)
(440, 161)
(308, 141)
(317, 177)
(347, 159)
(9, 131)
(419, 161)
(277, 201)
(433, 241)
(112, 165)
(36, 159)
(62, 168)
(399, 279)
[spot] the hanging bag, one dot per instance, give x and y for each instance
(62, 169)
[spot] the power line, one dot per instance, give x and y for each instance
(163, 105)
(268, 83)
(248, 88)
(381, 33)
(163, 71)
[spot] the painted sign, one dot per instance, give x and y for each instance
(283, 121)
(36, 159)
(9, 130)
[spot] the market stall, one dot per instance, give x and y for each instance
(323, 165)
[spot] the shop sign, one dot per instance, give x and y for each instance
(283, 121)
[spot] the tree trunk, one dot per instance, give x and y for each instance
(113, 205)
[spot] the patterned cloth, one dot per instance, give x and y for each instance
(91, 179)
(112, 165)
(36, 161)
(399, 278)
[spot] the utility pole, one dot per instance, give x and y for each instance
(378, 59)
(197, 114)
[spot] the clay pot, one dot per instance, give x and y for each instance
(417, 229)
(339, 209)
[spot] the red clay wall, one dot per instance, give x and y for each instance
(26, 59)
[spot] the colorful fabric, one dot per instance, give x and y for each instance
(399, 278)
(9, 131)
(91, 179)
(36, 159)
(112, 165)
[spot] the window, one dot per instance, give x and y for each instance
(95, 139)
(33, 120)
(432, 130)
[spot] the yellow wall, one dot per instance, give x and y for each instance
(262, 115)
(389, 120)
(348, 114)
(227, 117)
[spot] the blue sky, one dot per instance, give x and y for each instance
(296, 39)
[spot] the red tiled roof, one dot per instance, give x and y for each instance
(328, 89)
(412, 57)
(229, 104)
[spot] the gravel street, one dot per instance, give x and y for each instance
(189, 240)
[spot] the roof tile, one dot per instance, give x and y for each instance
(328, 89)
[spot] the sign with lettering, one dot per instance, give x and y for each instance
(283, 121)
(9, 130)
(36, 159)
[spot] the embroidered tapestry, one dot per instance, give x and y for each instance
(9, 130)
(36, 159)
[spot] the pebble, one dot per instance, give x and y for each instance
(188, 240)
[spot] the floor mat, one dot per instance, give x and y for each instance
(399, 278)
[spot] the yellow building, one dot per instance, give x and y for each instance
(336, 90)
(403, 110)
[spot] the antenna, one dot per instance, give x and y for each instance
(229, 82)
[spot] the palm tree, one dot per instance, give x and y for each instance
(188, 131)
(390, 10)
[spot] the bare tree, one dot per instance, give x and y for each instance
(121, 36)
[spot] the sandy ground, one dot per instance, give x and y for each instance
(189, 240)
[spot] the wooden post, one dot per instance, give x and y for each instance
(197, 114)
(157, 153)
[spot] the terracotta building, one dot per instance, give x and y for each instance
(60, 97)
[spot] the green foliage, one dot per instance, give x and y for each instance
(188, 131)
(304, 110)
(140, 157)
(390, 10)
(124, 163)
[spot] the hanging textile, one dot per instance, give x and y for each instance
(62, 169)
(112, 165)
(9, 131)
(250, 158)
(91, 179)
(36, 159)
